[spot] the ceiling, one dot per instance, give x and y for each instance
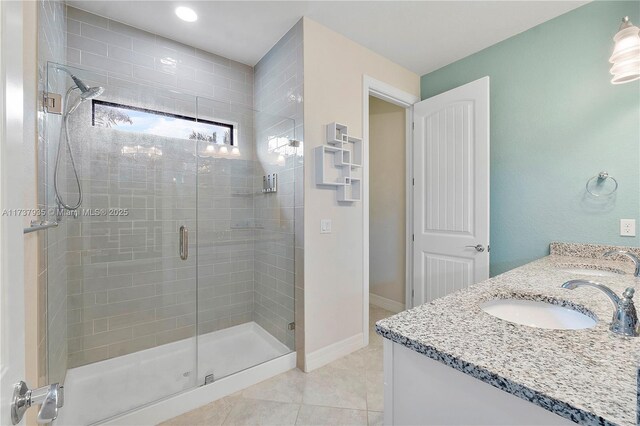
(419, 35)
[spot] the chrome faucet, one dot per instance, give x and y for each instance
(625, 317)
(630, 255)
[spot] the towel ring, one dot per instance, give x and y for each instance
(599, 178)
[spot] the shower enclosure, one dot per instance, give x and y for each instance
(177, 268)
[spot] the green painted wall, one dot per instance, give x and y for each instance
(556, 120)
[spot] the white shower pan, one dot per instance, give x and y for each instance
(237, 357)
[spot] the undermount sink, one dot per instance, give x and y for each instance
(594, 271)
(537, 314)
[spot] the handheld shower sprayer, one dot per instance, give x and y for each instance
(86, 93)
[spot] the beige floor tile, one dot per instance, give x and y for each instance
(351, 362)
(376, 418)
(332, 387)
(375, 390)
(335, 394)
(375, 340)
(323, 416)
(211, 414)
(376, 314)
(373, 359)
(250, 412)
(286, 387)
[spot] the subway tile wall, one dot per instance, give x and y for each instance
(226, 225)
(279, 247)
(127, 289)
(129, 55)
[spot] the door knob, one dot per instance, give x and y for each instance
(478, 247)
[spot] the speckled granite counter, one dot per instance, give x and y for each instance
(588, 376)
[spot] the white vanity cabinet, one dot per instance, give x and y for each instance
(421, 391)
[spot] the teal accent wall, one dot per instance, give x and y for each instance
(556, 120)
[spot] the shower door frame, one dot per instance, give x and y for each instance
(18, 115)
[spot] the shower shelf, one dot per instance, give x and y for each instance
(347, 160)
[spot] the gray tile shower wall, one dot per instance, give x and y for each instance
(128, 290)
(279, 246)
(52, 300)
(126, 54)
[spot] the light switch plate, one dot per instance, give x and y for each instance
(325, 226)
(627, 227)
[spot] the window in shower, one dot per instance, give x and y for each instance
(142, 120)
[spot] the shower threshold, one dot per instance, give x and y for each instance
(141, 384)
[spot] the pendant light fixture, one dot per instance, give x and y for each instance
(626, 53)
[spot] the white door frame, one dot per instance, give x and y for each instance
(388, 93)
(12, 140)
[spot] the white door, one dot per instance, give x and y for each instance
(12, 319)
(451, 191)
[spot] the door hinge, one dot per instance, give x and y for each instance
(413, 181)
(413, 294)
(413, 125)
(413, 237)
(53, 103)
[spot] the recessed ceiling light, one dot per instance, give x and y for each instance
(186, 14)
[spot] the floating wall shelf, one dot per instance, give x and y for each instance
(338, 162)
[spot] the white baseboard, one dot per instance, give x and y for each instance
(330, 353)
(384, 303)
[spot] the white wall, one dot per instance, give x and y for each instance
(387, 179)
(334, 67)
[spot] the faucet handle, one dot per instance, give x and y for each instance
(50, 398)
(49, 408)
(625, 317)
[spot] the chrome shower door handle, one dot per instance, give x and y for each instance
(184, 242)
(478, 247)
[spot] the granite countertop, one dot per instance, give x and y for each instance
(588, 375)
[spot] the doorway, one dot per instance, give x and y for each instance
(403, 100)
(387, 205)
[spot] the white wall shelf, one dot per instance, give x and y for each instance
(338, 161)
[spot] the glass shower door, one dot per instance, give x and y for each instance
(245, 239)
(121, 270)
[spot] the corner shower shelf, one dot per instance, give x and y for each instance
(347, 159)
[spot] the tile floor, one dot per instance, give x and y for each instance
(346, 392)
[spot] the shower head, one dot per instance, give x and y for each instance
(91, 93)
(86, 92)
